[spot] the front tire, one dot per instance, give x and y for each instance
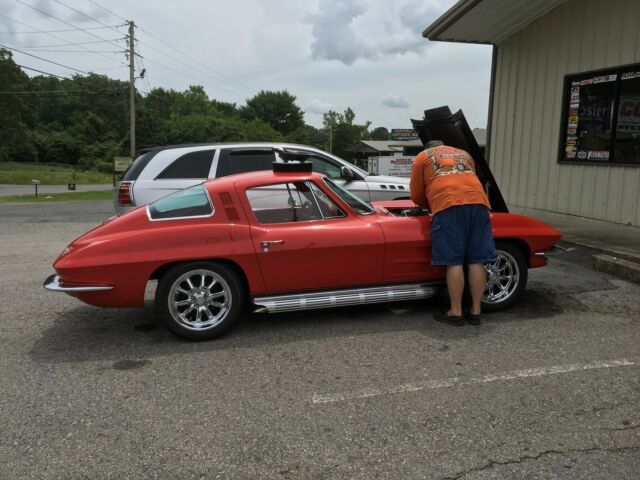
(506, 278)
(199, 301)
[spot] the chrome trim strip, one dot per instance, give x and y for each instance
(53, 283)
(340, 298)
(539, 254)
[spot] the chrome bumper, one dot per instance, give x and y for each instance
(53, 283)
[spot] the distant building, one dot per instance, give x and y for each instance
(379, 148)
(564, 108)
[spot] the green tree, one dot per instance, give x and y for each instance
(278, 109)
(344, 132)
(16, 141)
(380, 133)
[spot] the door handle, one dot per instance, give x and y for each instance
(266, 243)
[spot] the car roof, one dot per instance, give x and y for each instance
(226, 144)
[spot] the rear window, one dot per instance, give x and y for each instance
(189, 165)
(242, 161)
(133, 172)
(190, 202)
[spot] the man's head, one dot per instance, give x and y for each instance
(433, 143)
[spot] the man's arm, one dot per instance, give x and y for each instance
(416, 184)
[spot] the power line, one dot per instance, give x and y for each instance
(65, 22)
(196, 69)
(108, 68)
(69, 44)
(44, 59)
(48, 33)
(40, 71)
(196, 61)
(108, 11)
(85, 15)
(186, 76)
(72, 51)
(56, 31)
(38, 92)
(220, 77)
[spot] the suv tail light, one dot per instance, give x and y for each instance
(125, 194)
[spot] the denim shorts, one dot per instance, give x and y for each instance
(461, 235)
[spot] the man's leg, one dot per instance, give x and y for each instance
(455, 285)
(477, 283)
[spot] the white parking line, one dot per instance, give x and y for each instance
(455, 381)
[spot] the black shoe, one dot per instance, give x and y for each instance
(473, 319)
(455, 320)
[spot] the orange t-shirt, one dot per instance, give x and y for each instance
(442, 177)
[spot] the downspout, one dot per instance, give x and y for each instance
(492, 88)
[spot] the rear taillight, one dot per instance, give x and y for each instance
(125, 194)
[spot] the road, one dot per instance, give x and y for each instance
(547, 390)
(45, 189)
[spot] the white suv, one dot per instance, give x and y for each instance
(163, 170)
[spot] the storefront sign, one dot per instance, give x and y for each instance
(120, 164)
(403, 134)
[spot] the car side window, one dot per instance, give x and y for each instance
(284, 203)
(325, 167)
(190, 165)
(327, 206)
(190, 202)
(242, 161)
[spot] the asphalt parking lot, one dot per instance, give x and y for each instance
(549, 389)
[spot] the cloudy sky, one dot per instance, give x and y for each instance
(331, 54)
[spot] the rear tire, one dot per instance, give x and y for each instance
(506, 278)
(200, 300)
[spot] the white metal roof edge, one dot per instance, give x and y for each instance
(439, 30)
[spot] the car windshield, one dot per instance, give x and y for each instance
(190, 202)
(359, 206)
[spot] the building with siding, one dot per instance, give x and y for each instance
(564, 109)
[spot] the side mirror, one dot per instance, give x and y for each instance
(347, 173)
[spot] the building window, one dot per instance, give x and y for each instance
(601, 119)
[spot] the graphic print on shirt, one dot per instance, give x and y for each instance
(450, 163)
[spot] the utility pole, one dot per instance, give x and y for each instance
(132, 91)
(331, 132)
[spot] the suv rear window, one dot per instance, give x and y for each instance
(133, 172)
(189, 165)
(242, 161)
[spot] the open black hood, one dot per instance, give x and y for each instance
(453, 129)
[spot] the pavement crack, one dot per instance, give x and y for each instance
(626, 427)
(525, 458)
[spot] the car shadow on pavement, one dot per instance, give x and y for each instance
(88, 333)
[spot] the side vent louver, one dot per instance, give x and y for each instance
(227, 201)
(232, 214)
(225, 198)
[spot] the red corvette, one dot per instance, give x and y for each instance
(279, 241)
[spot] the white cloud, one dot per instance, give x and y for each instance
(348, 30)
(317, 106)
(282, 45)
(395, 101)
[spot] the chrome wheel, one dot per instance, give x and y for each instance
(199, 299)
(503, 277)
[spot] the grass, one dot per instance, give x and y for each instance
(58, 197)
(15, 173)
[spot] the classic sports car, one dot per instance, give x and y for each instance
(284, 240)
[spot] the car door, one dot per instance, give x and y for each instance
(303, 243)
(408, 249)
